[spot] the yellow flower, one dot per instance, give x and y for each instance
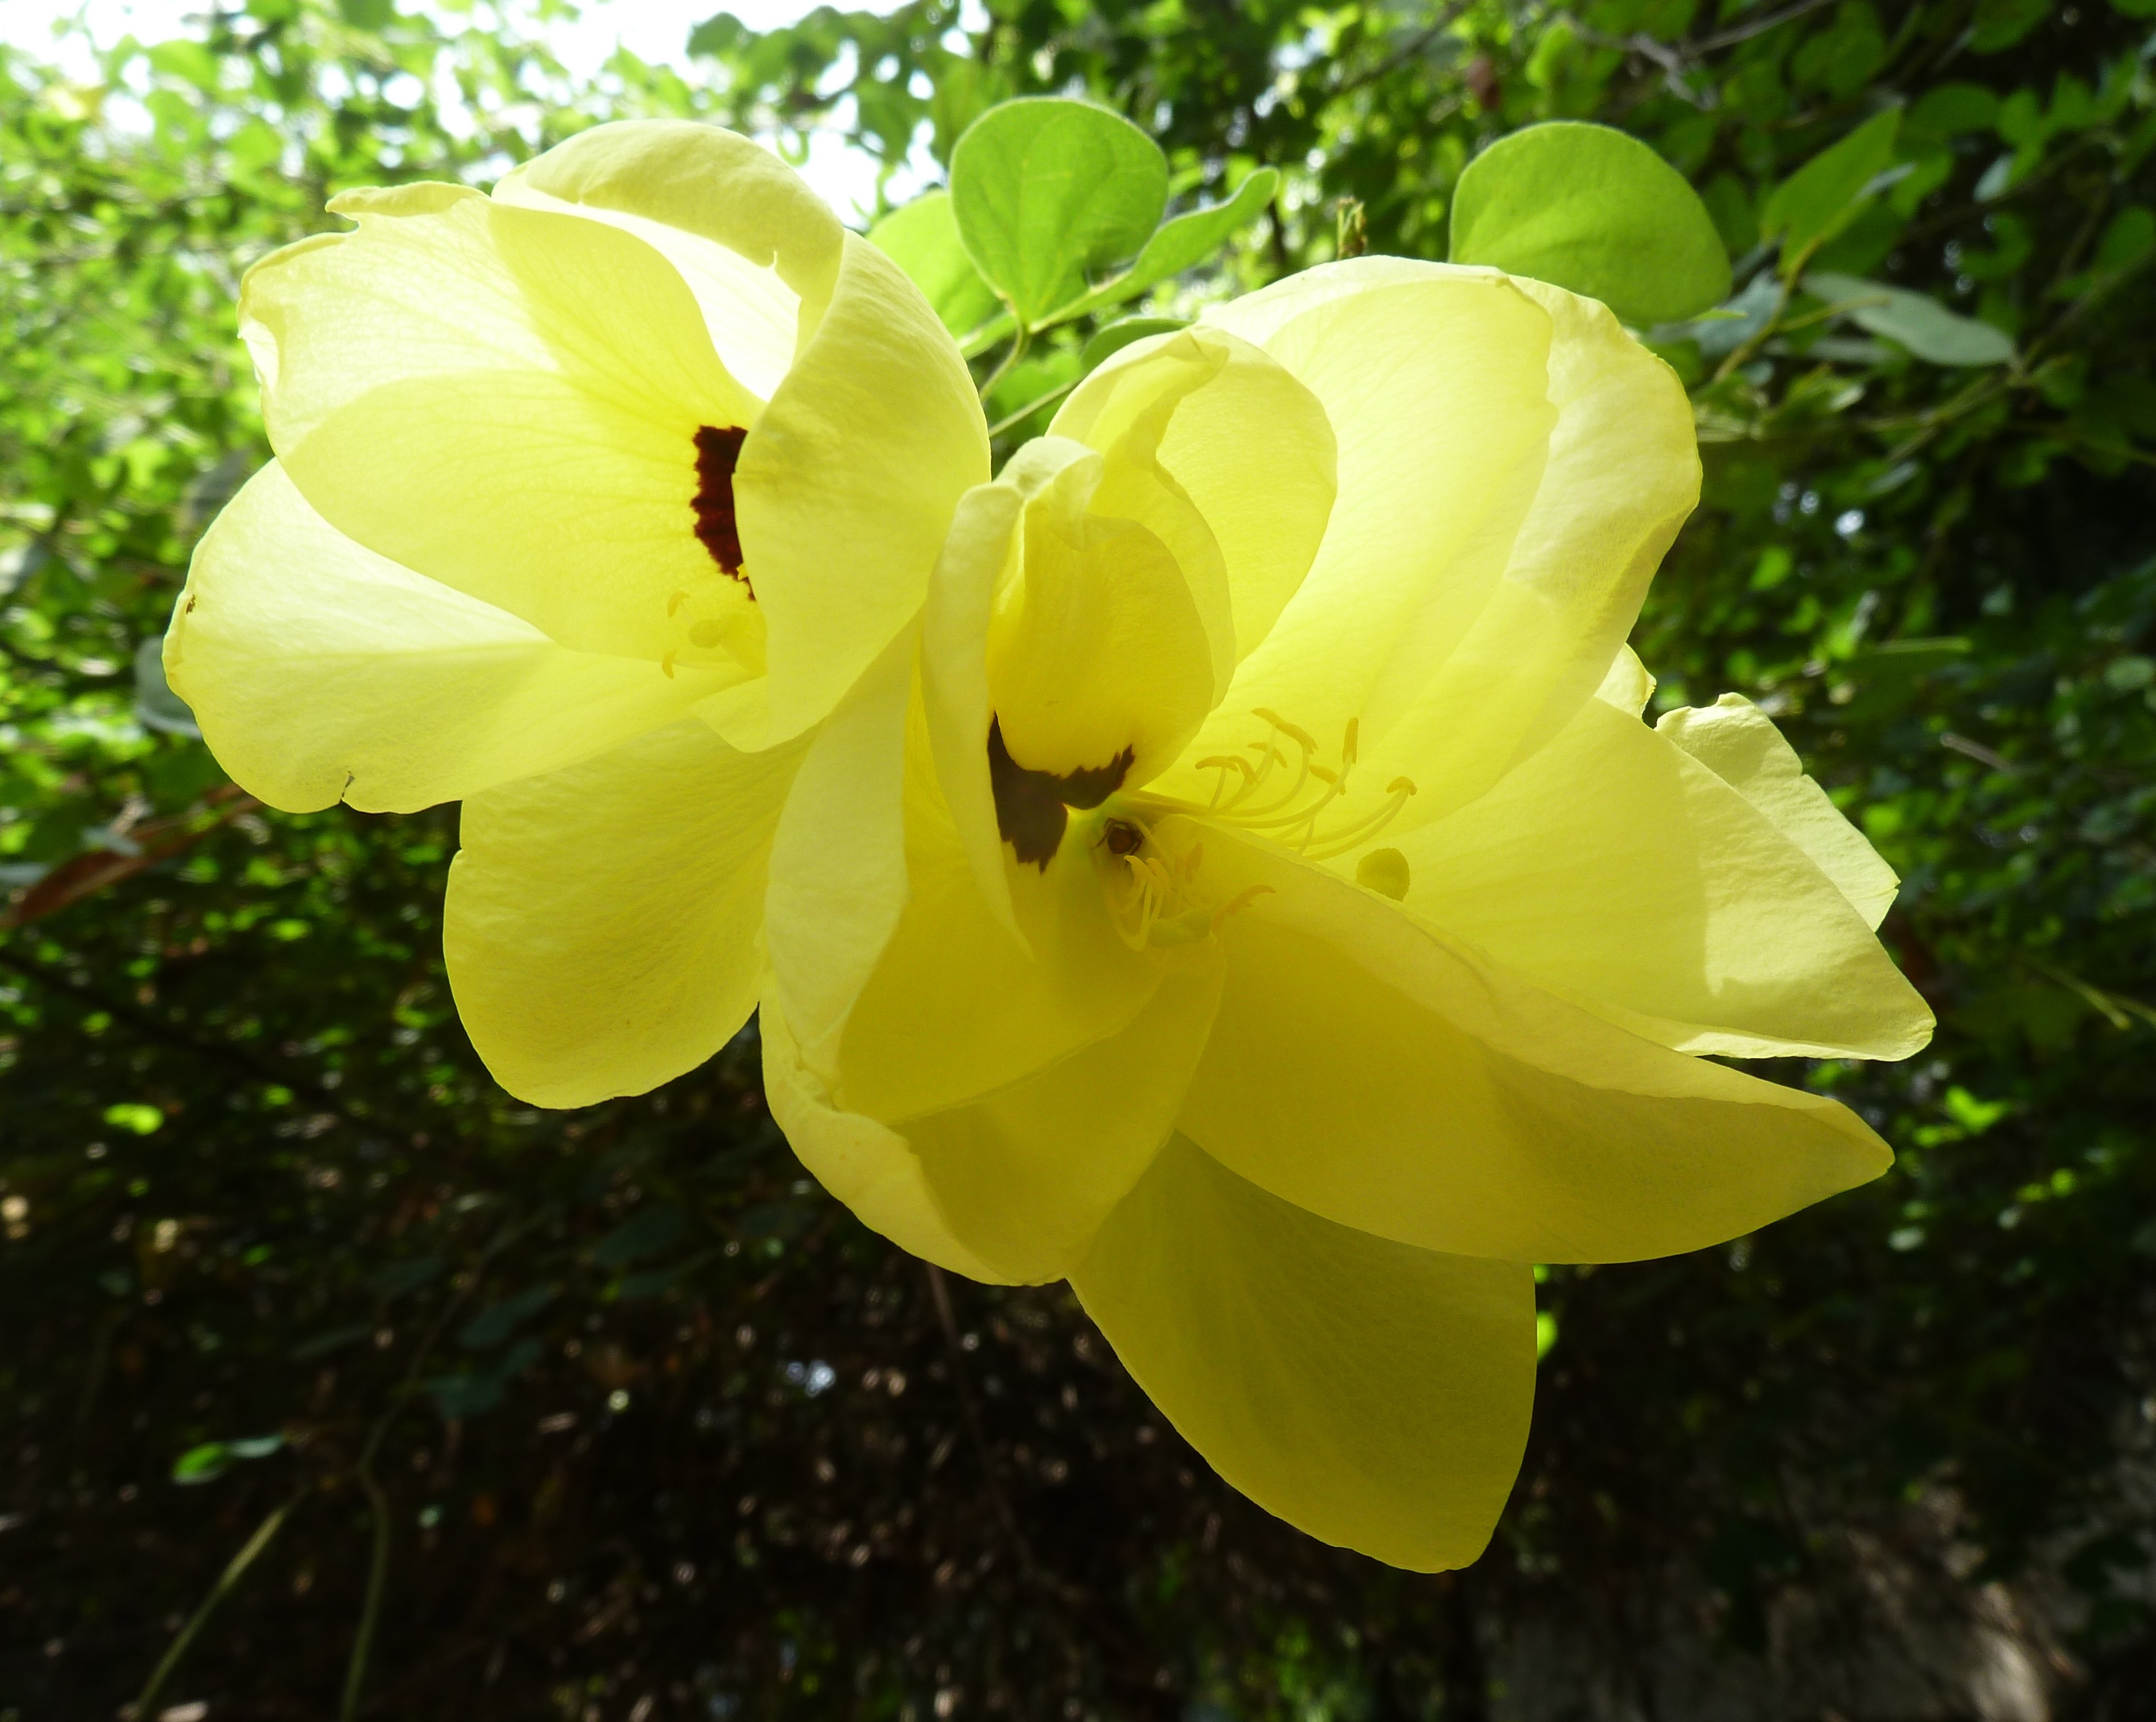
(1302, 933)
(606, 505)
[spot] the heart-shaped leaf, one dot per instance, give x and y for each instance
(1046, 190)
(1590, 208)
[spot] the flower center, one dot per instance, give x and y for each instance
(1158, 901)
(1033, 807)
(718, 452)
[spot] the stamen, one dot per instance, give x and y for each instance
(1338, 842)
(1289, 815)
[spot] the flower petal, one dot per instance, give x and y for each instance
(1617, 868)
(602, 922)
(1223, 427)
(957, 1009)
(1435, 383)
(1374, 1395)
(1369, 1070)
(758, 249)
(838, 860)
(1513, 466)
(1098, 656)
(1025, 1176)
(866, 1166)
(321, 671)
(979, 552)
(847, 484)
(848, 481)
(506, 400)
(1738, 743)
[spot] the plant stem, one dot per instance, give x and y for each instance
(235, 1570)
(1031, 408)
(1012, 355)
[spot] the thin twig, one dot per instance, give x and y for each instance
(1010, 421)
(378, 1498)
(962, 1378)
(1012, 355)
(235, 1570)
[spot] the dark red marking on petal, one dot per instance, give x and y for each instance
(718, 452)
(1033, 807)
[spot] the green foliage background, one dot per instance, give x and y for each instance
(613, 1414)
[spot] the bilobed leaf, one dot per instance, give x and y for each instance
(1045, 190)
(1589, 209)
(1825, 194)
(1919, 322)
(922, 239)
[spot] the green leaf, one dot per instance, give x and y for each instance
(156, 706)
(497, 1321)
(133, 1115)
(1952, 110)
(1825, 194)
(1046, 190)
(214, 1458)
(643, 1233)
(1190, 239)
(1592, 209)
(922, 239)
(1919, 322)
(1117, 336)
(2000, 24)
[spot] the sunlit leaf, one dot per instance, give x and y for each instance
(922, 238)
(1046, 190)
(1592, 209)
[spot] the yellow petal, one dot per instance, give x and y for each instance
(505, 400)
(1498, 519)
(957, 1009)
(758, 249)
(1098, 656)
(1025, 1176)
(1617, 868)
(866, 1166)
(1626, 684)
(321, 671)
(846, 486)
(1374, 1073)
(601, 923)
(1434, 382)
(838, 860)
(1738, 743)
(980, 554)
(1238, 436)
(1374, 1395)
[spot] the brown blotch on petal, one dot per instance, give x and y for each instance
(1033, 807)
(718, 452)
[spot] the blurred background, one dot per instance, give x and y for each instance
(335, 1382)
